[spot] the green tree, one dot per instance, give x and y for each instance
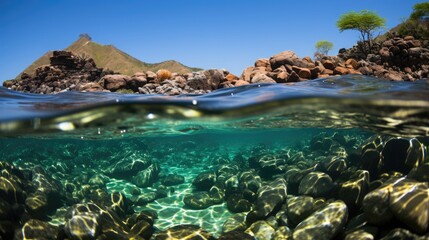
(417, 24)
(420, 10)
(366, 22)
(323, 47)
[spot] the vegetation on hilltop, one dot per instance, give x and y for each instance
(417, 24)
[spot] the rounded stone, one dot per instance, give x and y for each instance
(316, 184)
(299, 208)
(325, 223)
(204, 181)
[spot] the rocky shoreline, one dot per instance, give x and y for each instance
(397, 59)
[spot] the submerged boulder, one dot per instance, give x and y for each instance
(270, 198)
(325, 223)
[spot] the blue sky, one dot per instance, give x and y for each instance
(228, 34)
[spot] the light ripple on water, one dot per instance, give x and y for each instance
(353, 101)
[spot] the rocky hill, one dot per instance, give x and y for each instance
(109, 57)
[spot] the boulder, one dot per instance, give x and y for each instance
(402, 199)
(204, 181)
(269, 200)
(325, 223)
(316, 184)
(286, 58)
(173, 179)
(263, 62)
(260, 230)
(262, 78)
(114, 82)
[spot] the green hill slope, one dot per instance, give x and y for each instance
(109, 57)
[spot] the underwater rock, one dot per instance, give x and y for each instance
(420, 173)
(294, 176)
(204, 181)
(147, 177)
(403, 199)
(198, 200)
(217, 194)
(146, 198)
(191, 232)
(236, 222)
(37, 205)
(36, 229)
(235, 235)
(88, 221)
(142, 229)
(401, 155)
(359, 235)
(146, 215)
(270, 165)
(282, 233)
(299, 208)
(173, 179)
(127, 168)
(260, 230)
(325, 223)
(11, 191)
(236, 203)
(83, 226)
(335, 167)
(250, 180)
(354, 190)
(270, 198)
(316, 184)
(399, 233)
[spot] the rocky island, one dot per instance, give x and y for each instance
(396, 59)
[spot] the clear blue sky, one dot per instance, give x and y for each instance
(228, 34)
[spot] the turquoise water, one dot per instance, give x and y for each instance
(206, 160)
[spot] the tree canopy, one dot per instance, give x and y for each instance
(365, 21)
(323, 47)
(420, 10)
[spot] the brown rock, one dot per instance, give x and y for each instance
(114, 82)
(316, 71)
(151, 76)
(384, 53)
(262, 78)
(286, 57)
(328, 71)
(246, 73)
(139, 74)
(352, 62)
(89, 87)
(393, 75)
(262, 62)
(415, 52)
(353, 71)
(240, 83)
(231, 77)
(406, 38)
(341, 70)
(281, 77)
(303, 72)
(135, 82)
(293, 77)
(328, 64)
